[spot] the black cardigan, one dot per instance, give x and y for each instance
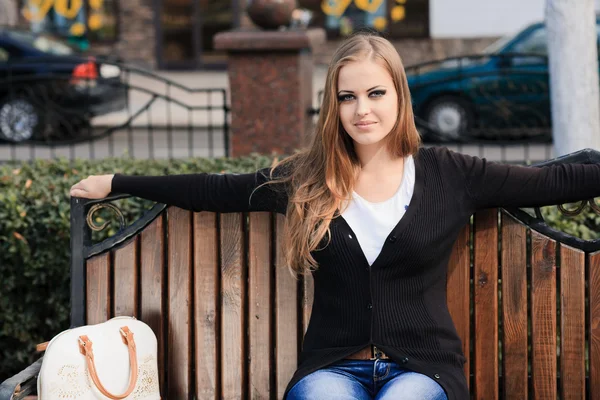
(399, 303)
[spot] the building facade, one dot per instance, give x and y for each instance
(178, 34)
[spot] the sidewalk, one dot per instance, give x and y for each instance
(176, 112)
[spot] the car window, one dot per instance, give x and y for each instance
(536, 42)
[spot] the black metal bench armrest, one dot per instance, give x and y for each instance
(22, 384)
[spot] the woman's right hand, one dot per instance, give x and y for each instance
(93, 187)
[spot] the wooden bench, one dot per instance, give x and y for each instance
(230, 318)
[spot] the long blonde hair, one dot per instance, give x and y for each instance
(323, 175)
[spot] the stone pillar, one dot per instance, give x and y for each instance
(270, 79)
(136, 41)
(137, 32)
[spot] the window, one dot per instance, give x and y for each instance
(396, 18)
(535, 43)
(80, 21)
(103, 20)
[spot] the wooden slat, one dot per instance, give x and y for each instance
(543, 316)
(286, 317)
(594, 320)
(180, 301)
(126, 280)
(572, 338)
(308, 287)
(206, 294)
(486, 304)
(152, 288)
(458, 290)
(98, 289)
(232, 307)
(514, 307)
(259, 307)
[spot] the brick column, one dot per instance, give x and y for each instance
(270, 78)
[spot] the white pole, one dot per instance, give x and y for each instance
(573, 66)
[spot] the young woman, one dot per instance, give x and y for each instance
(373, 216)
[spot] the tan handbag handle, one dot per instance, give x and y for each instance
(85, 347)
(41, 346)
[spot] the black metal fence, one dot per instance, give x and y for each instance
(85, 108)
(494, 106)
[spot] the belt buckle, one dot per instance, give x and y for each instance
(375, 353)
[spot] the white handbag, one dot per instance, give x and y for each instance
(113, 360)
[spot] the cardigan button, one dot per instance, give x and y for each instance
(437, 376)
(404, 360)
(370, 306)
(393, 239)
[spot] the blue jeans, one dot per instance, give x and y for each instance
(366, 380)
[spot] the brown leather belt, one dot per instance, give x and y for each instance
(369, 353)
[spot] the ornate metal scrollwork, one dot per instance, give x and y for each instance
(580, 208)
(96, 207)
(574, 212)
(534, 218)
(594, 206)
(571, 213)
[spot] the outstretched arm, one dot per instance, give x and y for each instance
(197, 192)
(491, 184)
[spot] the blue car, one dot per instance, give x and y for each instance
(48, 92)
(502, 93)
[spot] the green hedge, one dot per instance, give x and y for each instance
(34, 240)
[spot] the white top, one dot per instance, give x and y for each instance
(373, 222)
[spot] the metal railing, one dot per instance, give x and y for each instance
(154, 117)
(77, 108)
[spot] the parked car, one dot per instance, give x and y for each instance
(48, 91)
(501, 93)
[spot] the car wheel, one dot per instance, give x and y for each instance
(451, 117)
(20, 120)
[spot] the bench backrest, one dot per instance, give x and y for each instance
(229, 317)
